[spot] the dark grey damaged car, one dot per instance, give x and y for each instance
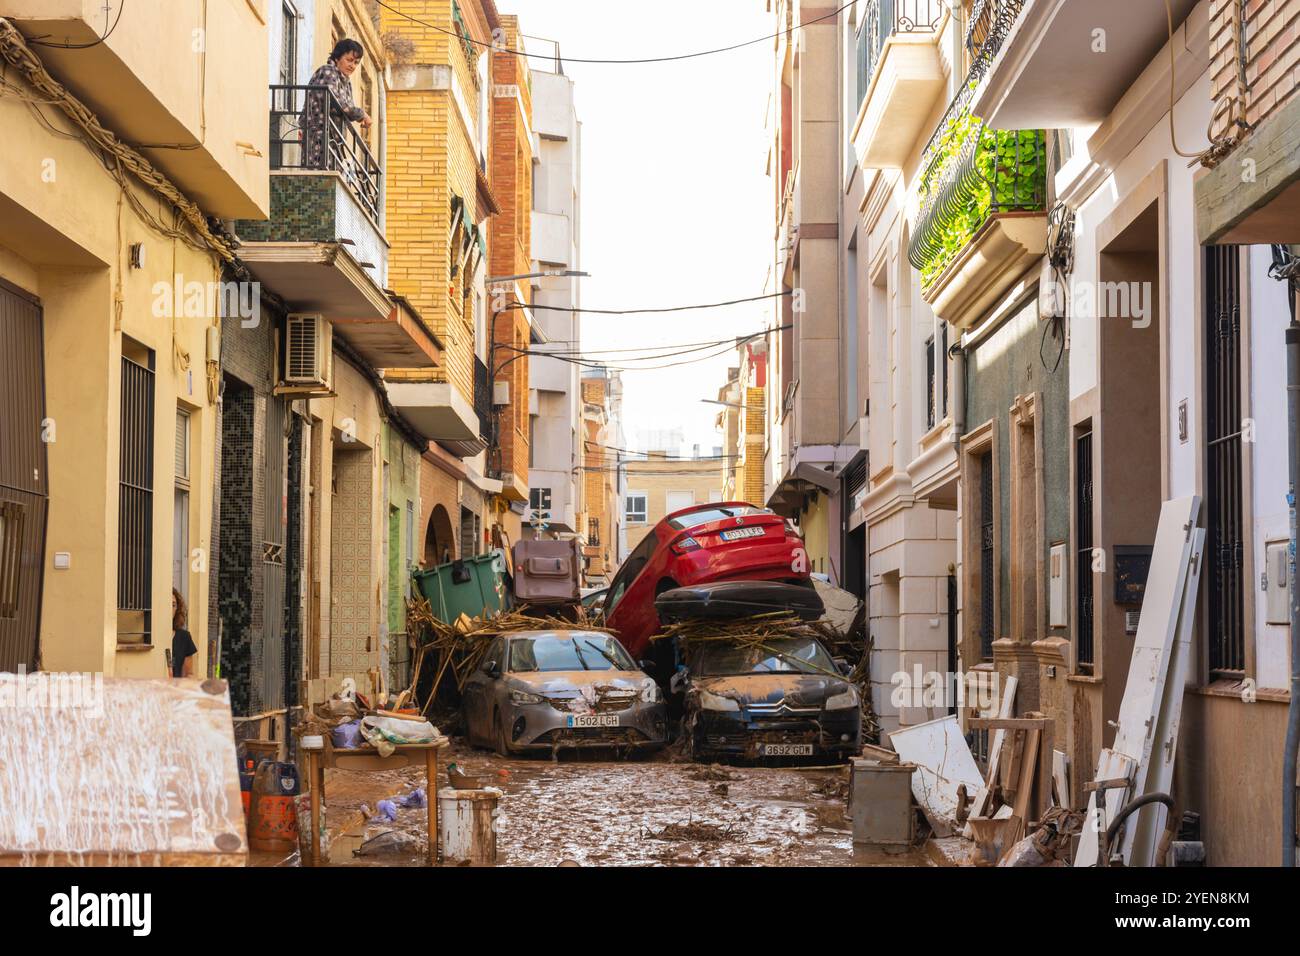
(549, 690)
(785, 699)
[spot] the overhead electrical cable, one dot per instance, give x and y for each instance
(605, 60)
(672, 308)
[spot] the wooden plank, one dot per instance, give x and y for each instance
(1061, 779)
(1006, 707)
(139, 771)
(1028, 773)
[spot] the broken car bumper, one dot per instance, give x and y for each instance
(832, 733)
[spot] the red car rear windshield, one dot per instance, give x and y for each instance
(693, 519)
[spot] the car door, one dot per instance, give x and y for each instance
(476, 700)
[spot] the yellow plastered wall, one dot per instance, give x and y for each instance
(64, 239)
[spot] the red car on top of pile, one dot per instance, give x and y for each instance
(703, 544)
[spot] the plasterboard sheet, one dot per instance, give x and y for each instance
(943, 763)
(1149, 664)
(1157, 776)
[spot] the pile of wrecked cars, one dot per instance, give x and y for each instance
(704, 635)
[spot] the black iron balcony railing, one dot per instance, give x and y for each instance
(970, 172)
(310, 131)
(885, 18)
(483, 398)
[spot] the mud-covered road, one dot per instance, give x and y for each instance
(649, 812)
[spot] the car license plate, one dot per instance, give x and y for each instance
(593, 720)
(737, 533)
(786, 750)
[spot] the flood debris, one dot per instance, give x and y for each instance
(713, 772)
(694, 832)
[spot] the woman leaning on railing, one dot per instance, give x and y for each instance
(334, 76)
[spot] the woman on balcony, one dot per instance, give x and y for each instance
(334, 76)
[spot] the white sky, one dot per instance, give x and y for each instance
(676, 205)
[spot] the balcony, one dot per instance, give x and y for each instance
(552, 239)
(900, 78)
(325, 199)
(982, 204)
(1050, 71)
(141, 80)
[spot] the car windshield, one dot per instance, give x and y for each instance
(572, 652)
(788, 655)
(693, 519)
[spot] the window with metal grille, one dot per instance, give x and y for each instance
(1084, 604)
(1223, 479)
(135, 490)
(988, 576)
(593, 531)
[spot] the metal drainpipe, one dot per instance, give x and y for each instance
(1293, 709)
(1284, 264)
(958, 353)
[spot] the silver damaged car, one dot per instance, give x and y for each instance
(549, 690)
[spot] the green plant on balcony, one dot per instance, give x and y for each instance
(972, 172)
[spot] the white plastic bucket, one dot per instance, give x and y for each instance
(467, 825)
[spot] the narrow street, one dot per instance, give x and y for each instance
(579, 810)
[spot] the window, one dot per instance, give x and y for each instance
(988, 577)
(410, 547)
(1083, 612)
(679, 500)
(634, 507)
(632, 567)
(593, 532)
(288, 45)
(135, 553)
(929, 383)
(181, 506)
(1223, 477)
(944, 411)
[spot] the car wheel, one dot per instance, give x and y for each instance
(499, 735)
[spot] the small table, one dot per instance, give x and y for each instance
(367, 759)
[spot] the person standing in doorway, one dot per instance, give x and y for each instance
(183, 649)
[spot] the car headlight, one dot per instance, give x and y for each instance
(524, 697)
(650, 693)
(714, 702)
(843, 700)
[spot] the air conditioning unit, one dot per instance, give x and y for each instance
(308, 350)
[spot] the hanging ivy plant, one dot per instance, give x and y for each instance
(1009, 173)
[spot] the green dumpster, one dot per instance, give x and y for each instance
(473, 586)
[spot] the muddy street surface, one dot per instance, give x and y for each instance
(593, 810)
